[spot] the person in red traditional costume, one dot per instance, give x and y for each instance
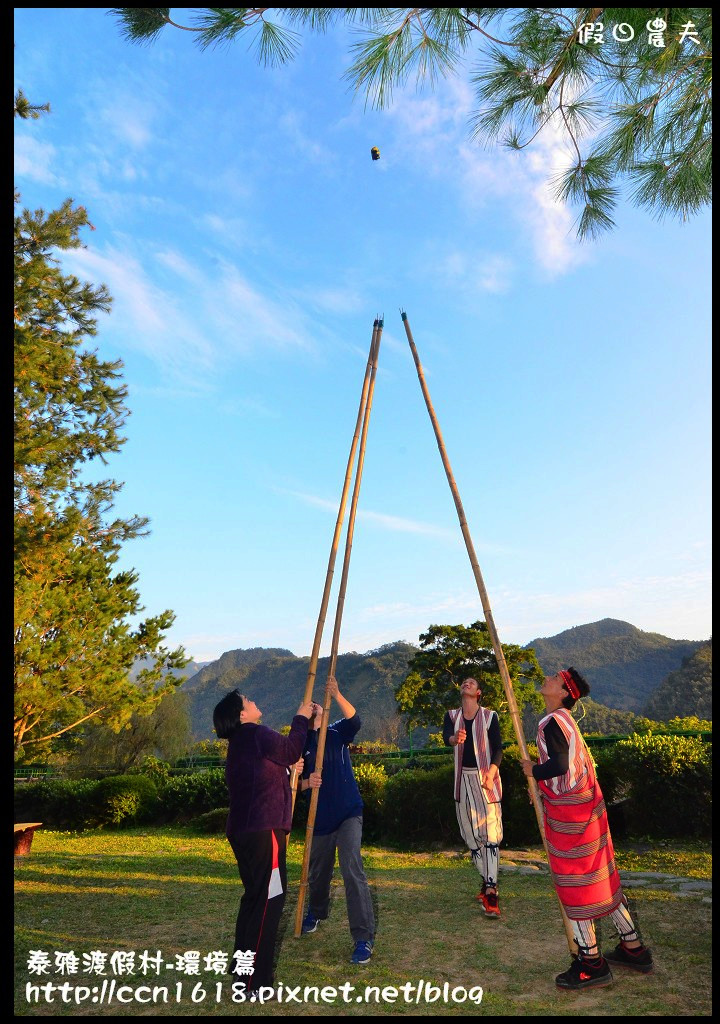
(579, 844)
(478, 790)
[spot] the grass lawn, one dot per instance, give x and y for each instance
(173, 890)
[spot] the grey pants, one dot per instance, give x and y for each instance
(346, 840)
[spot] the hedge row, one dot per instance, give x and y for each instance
(655, 785)
(120, 800)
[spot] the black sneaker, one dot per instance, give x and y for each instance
(583, 974)
(639, 959)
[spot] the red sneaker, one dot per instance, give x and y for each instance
(491, 904)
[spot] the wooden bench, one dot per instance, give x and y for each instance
(24, 833)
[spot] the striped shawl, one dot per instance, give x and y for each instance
(483, 753)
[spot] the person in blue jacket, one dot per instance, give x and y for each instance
(338, 826)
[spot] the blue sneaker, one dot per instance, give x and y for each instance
(310, 923)
(361, 953)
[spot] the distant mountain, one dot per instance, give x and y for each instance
(235, 665)
(622, 664)
(189, 671)
(275, 679)
(686, 691)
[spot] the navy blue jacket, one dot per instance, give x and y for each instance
(257, 776)
(339, 797)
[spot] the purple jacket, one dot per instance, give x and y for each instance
(257, 778)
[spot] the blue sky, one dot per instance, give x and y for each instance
(249, 241)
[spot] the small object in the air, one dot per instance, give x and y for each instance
(375, 153)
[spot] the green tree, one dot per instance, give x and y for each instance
(74, 644)
(213, 748)
(164, 732)
(629, 89)
(690, 723)
(449, 654)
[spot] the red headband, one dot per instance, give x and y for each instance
(570, 684)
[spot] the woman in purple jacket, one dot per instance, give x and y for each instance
(256, 771)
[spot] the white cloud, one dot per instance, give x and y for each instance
(399, 524)
(123, 116)
(436, 132)
(386, 522)
(190, 331)
(232, 230)
(474, 272)
(425, 611)
(210, 646)
(248, 406)
(524, 182)
(303, 143)
(552, 222)
(33, 160)
(176, 262)
(334, 300)
(252, 318)
(680, 602)
(671, 605)
(148, 318)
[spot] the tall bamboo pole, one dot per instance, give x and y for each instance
(485, 601)
(319, 756)
(312, 668)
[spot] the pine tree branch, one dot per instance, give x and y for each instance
(478, 28)
(594, 13)
(523, 145)
(54, 735)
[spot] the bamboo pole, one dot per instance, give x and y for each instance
(312, 668)
(319, 756)
(485, 601)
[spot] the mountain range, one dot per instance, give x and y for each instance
(624, 666)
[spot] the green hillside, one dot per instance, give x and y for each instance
(686, 691)
(622, 664)
(276, 683)
(626, 668)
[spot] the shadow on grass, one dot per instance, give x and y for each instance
(177, 892)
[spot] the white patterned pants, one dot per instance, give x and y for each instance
(480, 825)
(584, 931)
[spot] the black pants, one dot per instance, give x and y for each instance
(263, 900)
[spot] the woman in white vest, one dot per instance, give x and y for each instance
(474, 732)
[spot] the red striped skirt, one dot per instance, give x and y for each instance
(580, 852)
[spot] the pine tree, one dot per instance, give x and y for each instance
(74, 644)
(630, 89)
